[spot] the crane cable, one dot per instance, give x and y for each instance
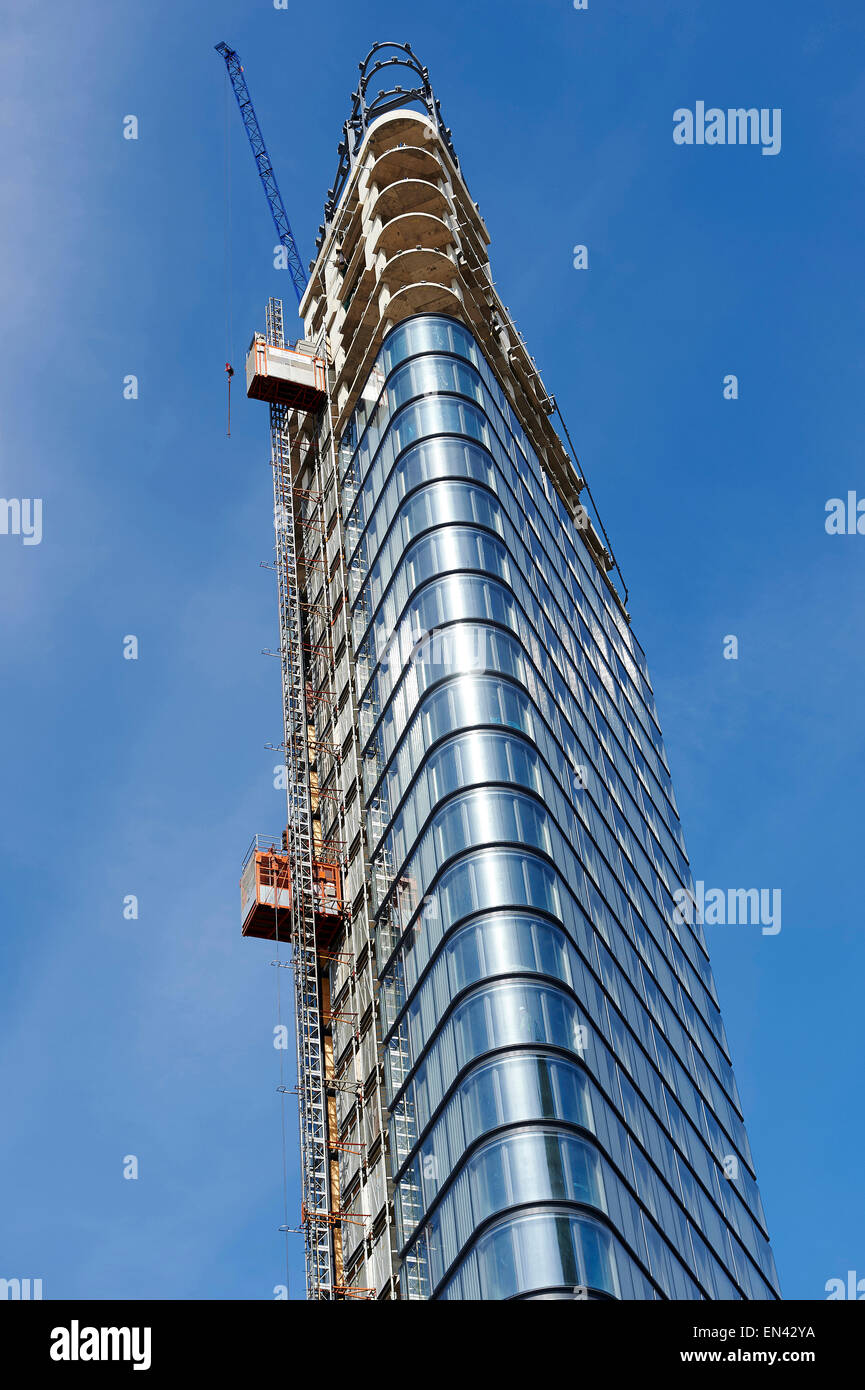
(230, 370)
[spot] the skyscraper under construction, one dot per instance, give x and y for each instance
(513, 1077)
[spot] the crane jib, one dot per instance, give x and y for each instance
(265, 168)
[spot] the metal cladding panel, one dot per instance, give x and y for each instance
(247, 888)
(256, 363)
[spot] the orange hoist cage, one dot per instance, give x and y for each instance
(265, 895)
(285, 376)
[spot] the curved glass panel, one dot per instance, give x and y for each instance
(562, 1101)
(547, 1251)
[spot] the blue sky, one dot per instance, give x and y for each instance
(154, 1037)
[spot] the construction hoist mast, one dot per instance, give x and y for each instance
(312, 1097)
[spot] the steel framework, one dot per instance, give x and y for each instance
(372, 100)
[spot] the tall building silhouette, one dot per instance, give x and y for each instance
(514, 1078)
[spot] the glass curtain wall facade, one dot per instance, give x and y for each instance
(564, 1117)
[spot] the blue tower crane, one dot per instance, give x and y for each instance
(265, 168)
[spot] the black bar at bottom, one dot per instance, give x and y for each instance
(293, 1339)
